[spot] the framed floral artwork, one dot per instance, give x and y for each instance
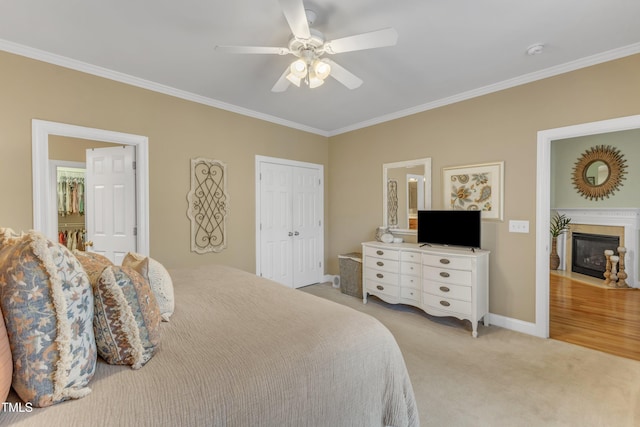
(475, 187)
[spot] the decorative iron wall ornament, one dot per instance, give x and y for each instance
(599, 172)
(392, 203)
(208, 205)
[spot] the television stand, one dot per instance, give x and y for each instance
(439, 281)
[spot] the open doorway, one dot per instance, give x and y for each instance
(44, 202)
(543, 203)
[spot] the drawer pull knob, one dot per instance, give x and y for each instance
(380, 252)
(380, 263)
(380, 288)
(380, 275)
(444, 261)
(444, 289)
(445, 303)
(444, 274)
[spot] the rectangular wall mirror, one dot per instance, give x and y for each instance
(406, 189)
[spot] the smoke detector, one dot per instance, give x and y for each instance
(535, 49)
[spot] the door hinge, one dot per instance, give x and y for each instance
(134, 165)
(320, 264)
(135, 231)
(320, 223)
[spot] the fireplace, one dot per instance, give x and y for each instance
(587, 253)
(623, 223)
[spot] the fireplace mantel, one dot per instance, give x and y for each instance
(629, 218)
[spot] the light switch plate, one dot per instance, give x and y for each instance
(518, 226)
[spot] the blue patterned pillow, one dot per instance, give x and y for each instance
(47, 304)
(127, 317)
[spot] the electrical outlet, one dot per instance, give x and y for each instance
(518, 226)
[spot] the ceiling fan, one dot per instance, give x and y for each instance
(309, 46)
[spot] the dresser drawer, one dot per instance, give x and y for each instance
(410, 268)
(381, 276)
(410, 281)
(382, 253)
(447, 290)
(444, 275)
(410, 256)
(382, 264)
(456, 263)
(383, 288)
(409, 293)
(447, 304)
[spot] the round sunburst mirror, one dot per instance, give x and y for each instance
(599, 172)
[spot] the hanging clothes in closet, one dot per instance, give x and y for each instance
(70, 205)
(72, 239)
(70, 195)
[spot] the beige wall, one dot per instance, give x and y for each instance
(178, 130)
(499, 126)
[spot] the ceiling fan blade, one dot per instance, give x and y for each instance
(253, 49)
(283, 83)
(380, 38)
(345, 77)
(293, 11)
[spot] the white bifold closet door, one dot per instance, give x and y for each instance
(111, 201)
(290, 224)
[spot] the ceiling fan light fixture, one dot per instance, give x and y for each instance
(321, 69)
(294, 79)
(314, 81)
(298, 68)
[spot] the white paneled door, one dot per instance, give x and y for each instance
(290, 222)
(111, 201)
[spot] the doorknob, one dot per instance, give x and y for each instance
(89, 243)
(290, 234)
(296, 234)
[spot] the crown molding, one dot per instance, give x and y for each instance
(588, 61)
(84, 67)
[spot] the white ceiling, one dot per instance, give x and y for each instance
(447, 50)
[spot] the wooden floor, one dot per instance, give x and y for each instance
(603, 319)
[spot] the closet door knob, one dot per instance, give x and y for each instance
(290, 234)
(296, 234)
(89, 244)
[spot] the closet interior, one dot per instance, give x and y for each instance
(71, 204)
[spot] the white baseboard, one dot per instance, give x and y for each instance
(514, 324)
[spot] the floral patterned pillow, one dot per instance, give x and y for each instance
(47, 304)
(93, 264)
(127, 317)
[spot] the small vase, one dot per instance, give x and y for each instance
(554, 258)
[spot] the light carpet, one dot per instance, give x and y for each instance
(502, 378)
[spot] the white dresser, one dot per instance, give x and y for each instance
(441, 281)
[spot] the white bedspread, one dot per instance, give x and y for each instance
(243, 351)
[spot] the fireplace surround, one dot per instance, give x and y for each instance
(621, 222)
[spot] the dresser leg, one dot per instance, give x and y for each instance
(474, 325)
(364, 298)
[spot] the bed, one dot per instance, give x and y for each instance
(241, 350)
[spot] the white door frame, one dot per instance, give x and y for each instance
(44, 212)
(543, 203)
(286, 162)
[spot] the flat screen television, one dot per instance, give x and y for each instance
(449, 228)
